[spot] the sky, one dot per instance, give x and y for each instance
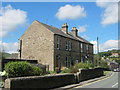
(92, 19)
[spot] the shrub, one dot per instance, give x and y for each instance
(52, 72)
(66, 70)
(70, 70)
(37, 71)
(73, 69)
(20, 69)
(84, 65)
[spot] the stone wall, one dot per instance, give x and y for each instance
(52, 81)
(86, 74)
(37, 44)
(74, 54)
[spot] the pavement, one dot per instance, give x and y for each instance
(72, 86)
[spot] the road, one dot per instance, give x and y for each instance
(109, 82)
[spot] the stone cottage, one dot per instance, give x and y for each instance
(54, 47)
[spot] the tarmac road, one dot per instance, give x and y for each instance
(109, 82)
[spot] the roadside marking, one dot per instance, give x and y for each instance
(95, 81)
(115, 85)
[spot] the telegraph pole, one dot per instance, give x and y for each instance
(98, 50)
(97, 45)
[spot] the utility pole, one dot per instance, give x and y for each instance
(98, 50)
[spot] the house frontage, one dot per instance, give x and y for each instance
(54, 47)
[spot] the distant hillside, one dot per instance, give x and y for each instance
(108, 53)
(4, 55)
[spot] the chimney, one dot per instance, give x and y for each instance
(65, 28)
(74, 31)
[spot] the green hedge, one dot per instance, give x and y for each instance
(84, 65)
(21, 69)
(78, 66)
(70, 70)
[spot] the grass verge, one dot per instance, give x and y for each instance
(106, 72)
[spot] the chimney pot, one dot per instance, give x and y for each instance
(65, 28)
(74, 31)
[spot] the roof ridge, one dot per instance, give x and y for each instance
(47, 25)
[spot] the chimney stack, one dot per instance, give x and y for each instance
(74, 31)
(65, 28)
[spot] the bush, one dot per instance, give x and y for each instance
(84, 65)
(70, 70)
(66, 70)
(78, 66)
(73, 69)
(37, 71)
(21, 68)
(52, 72)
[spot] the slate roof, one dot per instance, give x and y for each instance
(59, 32)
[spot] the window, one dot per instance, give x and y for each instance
(58, 43)
(81, 45)
(70, 46)
(87, 48)
(66, 45)
(68, 62)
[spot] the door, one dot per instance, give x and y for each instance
(58, 63)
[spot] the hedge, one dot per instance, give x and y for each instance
(21, 69)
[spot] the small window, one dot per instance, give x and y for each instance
(58, 43)
(81, 45)
(87, 48)
(66, 62)
(66, 45)
(70, 46)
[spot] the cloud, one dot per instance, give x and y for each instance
(110, 13)
(10, 19)
(108, 45)
(94, 45)
(82, 29)
(70, 12)
(9, 47)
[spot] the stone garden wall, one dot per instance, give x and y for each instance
(52, 81)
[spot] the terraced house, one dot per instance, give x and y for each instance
(55, 47)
